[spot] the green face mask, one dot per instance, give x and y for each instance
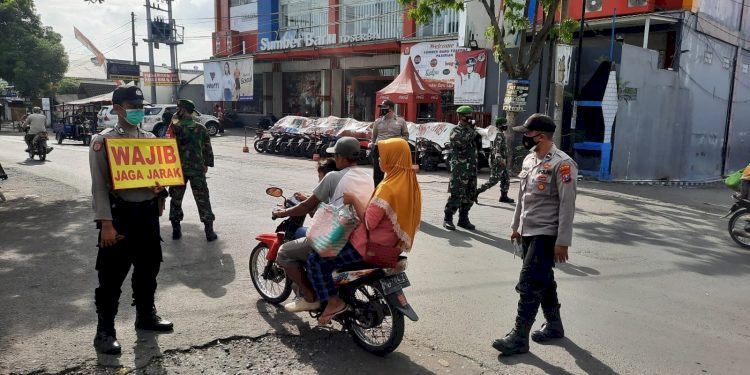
(134, 116)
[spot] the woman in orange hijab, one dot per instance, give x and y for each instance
(389, 222)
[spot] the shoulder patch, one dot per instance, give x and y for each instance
(564, 168)
(96, 146)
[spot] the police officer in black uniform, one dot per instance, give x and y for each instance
(128, 223)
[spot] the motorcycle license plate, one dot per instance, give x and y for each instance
(394, 283)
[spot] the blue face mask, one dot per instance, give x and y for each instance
(134, 116)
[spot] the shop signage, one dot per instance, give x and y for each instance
(127, 72)
(160, 79)
(307, 40)
(359, 38)
(45, 104)
(141, 162)
(434, 61)
(516, 94)
(562, 71)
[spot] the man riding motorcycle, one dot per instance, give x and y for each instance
(37, 125)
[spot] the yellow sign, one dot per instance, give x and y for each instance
(144, 162)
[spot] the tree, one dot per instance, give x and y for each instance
(66, 85)
(517, 63)
(33, 57)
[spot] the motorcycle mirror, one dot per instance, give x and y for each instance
(275, 191)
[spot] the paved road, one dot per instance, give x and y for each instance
(654, 285)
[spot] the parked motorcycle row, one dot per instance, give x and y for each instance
(302, 145)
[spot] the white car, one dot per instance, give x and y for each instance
(154, 113)
(106, 118)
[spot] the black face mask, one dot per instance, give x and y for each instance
(503, 128)
(384, 111)
(529, 142)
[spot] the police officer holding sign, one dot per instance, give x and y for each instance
(128, 221)
(543, 225)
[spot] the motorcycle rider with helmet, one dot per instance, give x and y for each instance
(36, 124)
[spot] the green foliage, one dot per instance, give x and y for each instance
(33, 58)
(564, 31)
(66, 85)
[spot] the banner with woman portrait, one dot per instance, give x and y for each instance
(228, 80)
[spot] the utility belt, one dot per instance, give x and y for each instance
(121, 207)
(136, 219)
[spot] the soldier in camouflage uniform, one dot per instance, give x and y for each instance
(196, 155)
(498, 171)
(463, 162)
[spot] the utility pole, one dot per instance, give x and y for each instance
(559, 101)
(730, 105)
(135, 44)
(150, 41)
(173, 49)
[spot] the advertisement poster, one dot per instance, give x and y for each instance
(228, 80)
(434, 61)
(144, 162)
(244, 17)
(516, 94)
(471, 76)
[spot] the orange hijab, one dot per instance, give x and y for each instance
(399, 194)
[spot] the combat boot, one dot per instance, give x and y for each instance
(148, 320)
(505, 199)
(517, 341)
(176, 230)
(448, 221)
(210, 234)
(105, 341)
(463, 221)
(552, 329)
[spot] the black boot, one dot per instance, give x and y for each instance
(105, 341)
(505, 199)
(210, 234)
(176, 230)
(463, 221)
(148, 320)
(517, 341)
(448, 221)
(552, 329)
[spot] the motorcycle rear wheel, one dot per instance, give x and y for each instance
(43, 155)
(275, 289)
(739, 223)
(382, 338)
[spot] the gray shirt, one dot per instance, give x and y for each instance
(327, 187)
(37, 123)
(101, 182)
(385, 128)
(546, 199)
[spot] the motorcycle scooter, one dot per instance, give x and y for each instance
(375, 295)
(739, 223)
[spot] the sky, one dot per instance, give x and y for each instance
(108, 27)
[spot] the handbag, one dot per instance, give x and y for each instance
(381, 255)
(734, 180)
(330, 229)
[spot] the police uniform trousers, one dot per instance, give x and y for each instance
(140, 248)
(536, 285)
(377, 173)
(199, 186)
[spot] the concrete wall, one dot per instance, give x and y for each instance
(707, 82)
(648, 142)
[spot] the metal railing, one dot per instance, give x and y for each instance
(378, 20)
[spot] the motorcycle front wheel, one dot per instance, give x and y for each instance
(258, 146)
(739, 228)
(375, 326)
(43, 154)
(268, 279)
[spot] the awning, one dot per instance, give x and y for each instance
(99, 99)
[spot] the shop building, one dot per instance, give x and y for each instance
(325, 57)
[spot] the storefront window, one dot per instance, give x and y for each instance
(445, 22)
(302, 94)
(297, 17)
(255, 105)
(361, 87)
(364, 20)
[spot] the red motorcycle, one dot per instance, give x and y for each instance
(375, 295)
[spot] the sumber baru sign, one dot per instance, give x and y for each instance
(306, 40)
(144, 162)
